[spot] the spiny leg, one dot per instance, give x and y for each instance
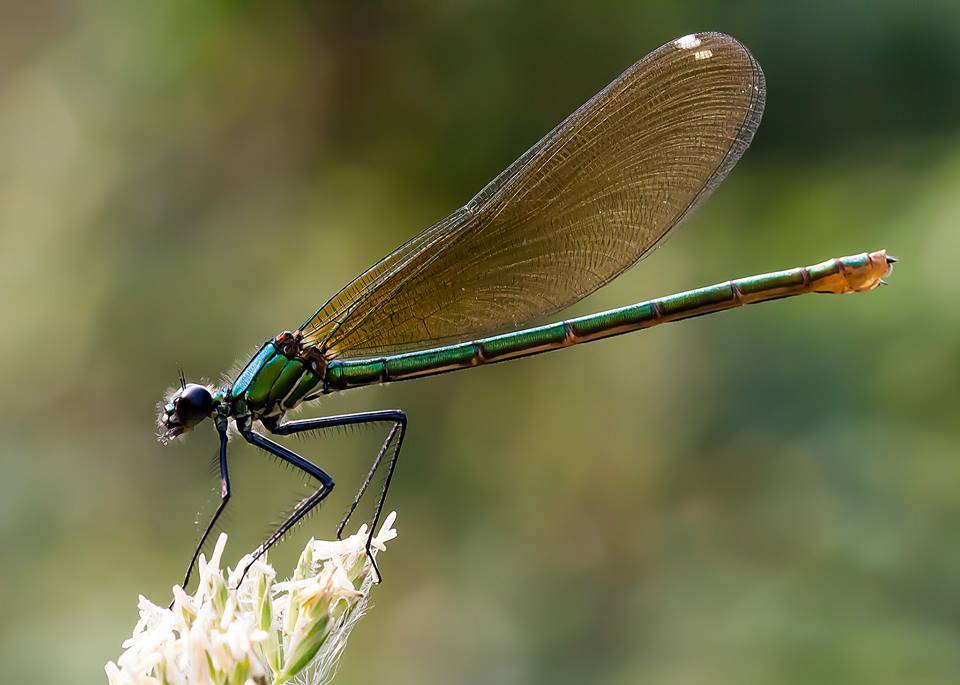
(398, 428)
(224, 498)
(305, 506)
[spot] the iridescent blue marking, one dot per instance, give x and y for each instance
(250, 370)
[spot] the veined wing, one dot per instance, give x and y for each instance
(582, 205)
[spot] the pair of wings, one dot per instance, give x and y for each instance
(581, 206)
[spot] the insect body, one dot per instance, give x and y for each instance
(586, 202)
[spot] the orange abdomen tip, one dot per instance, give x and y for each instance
(856, 273)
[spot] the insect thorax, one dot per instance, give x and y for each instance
(279, 377)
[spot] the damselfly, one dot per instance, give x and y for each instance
(589, 200)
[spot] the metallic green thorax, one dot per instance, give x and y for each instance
(275, 381)
(272, 383)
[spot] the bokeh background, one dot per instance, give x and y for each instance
(767, 495)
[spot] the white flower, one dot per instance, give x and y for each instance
(262, 632)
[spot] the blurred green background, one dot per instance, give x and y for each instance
(769, 495)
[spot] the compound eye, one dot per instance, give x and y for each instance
(194, 404)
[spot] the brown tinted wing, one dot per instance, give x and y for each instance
(576, 210)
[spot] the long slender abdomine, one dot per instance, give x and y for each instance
(586, 202)
(855, 273)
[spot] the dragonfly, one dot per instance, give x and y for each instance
(589, 200)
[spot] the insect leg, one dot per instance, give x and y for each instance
(391, 445)
(305, 506)
(224, 498)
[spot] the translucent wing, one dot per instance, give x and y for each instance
(577, 209)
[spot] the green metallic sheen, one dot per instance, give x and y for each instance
(341, 375)
(251, 370)
(695, 299)
(334, 375)
(363, 372)
(455, 355)
(780, 279)
(853, 262)
(598, 324)
(289, 375)
(307, 382)
(259, 389)
(511, 343)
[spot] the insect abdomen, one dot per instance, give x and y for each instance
(855, 273)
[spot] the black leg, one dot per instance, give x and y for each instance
(224, 498)
(398, 426)
(305, 506)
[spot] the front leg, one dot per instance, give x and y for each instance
(224, 499)
(398, 427)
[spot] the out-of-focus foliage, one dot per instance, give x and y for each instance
(768, 495)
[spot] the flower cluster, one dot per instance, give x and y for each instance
(260, 633)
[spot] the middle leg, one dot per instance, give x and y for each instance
(305, 506)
